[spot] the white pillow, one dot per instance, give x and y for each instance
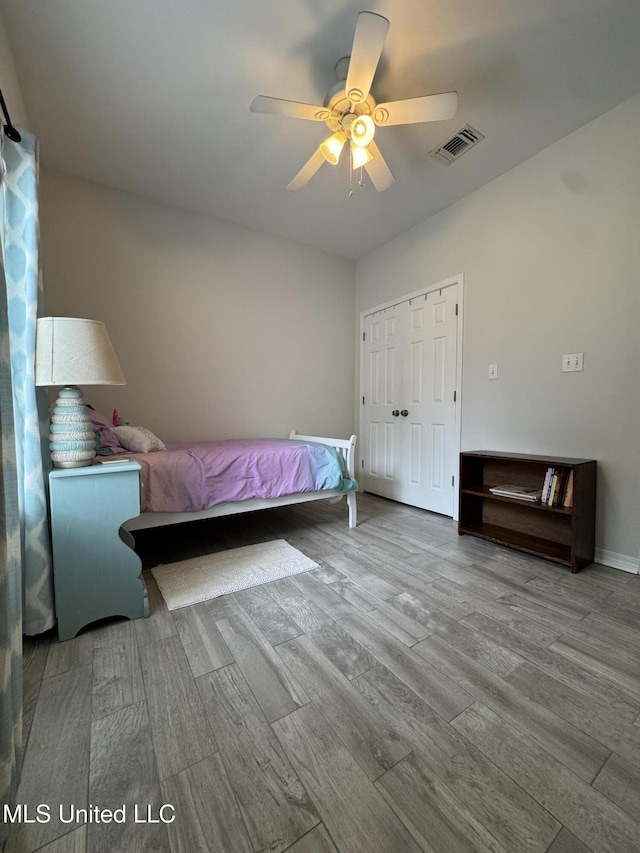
(138, 439)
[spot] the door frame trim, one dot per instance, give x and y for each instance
(455, 279)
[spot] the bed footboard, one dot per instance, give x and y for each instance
(346, 447)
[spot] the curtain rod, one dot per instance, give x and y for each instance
(9, 129)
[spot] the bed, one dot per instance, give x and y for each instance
(164, 500)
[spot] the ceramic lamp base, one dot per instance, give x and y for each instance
(72, 439)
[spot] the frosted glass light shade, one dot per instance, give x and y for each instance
(359, 156)
(71, 351)
(362, 130)
(332, 147)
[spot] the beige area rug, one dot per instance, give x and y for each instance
(202, 578)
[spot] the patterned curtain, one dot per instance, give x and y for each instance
(10, 573)
(19, 236)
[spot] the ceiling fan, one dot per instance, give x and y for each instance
(351, 112)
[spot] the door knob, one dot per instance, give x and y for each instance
(404, 413)
(395, 413)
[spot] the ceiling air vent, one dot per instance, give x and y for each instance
(456, 145)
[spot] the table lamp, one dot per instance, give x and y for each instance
(72, 352)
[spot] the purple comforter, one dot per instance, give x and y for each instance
(199, 475)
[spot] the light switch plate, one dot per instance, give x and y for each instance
(493, 371)
(572, 362)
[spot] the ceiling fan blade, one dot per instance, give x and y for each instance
(377, 169)
(307, 172)
(290, 109)
(413, 110)
(371, 31)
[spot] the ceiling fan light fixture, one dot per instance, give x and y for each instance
(331, 148)
(351, 112)
(362, 130)
(360, 155)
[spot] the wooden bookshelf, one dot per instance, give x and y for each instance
(564, 535)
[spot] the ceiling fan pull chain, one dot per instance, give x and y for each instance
(350, 173)
(361, 181)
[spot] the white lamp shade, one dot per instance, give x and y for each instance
(71, 351)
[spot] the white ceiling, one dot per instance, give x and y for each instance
(153, 96)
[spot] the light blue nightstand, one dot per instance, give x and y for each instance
(96, 571)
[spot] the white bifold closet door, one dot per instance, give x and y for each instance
(409, 409)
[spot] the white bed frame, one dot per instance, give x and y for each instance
(345, 447)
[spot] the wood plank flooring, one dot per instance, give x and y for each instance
(419, 691)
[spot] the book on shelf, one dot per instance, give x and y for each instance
(568, 495)
(562, 486)
(523, 493)
(557, 489)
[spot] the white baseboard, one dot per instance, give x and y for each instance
(617, 561)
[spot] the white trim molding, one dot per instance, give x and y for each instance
(617, 561)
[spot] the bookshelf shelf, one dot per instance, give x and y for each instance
(565, 535)
(484, 492)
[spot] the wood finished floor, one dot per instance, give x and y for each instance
(418, 691)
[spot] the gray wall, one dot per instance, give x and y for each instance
(550, 257)
(9, 82)
(221, 331)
